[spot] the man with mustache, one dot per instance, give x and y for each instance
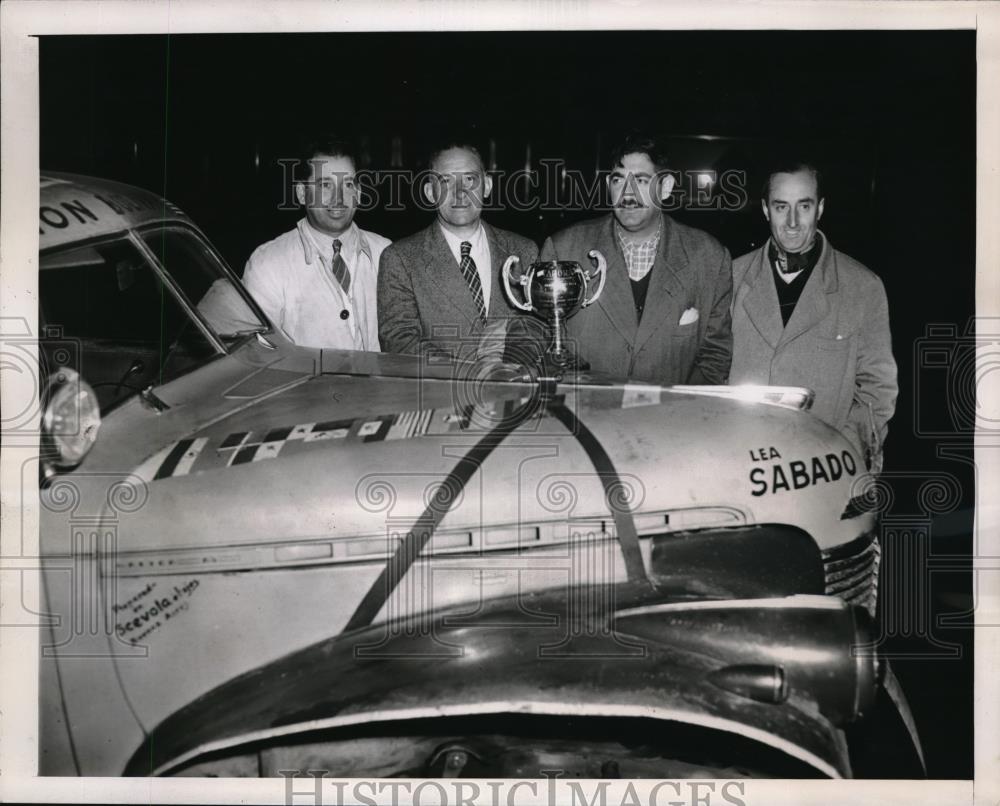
(807, 315)
(663, 316)
(317, 282)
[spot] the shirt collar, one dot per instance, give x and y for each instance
(455, 243)
(652, 240)
(319, 243)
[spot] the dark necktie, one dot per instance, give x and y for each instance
(471, 275)
(339, 267)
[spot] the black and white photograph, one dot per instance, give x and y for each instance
(591, 406)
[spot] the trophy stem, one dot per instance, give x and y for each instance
(560, 357)
(557, 345)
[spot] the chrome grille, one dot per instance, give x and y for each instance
(851, 571)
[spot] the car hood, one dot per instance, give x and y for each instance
(331, 445)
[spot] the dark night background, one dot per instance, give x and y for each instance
(888, 116)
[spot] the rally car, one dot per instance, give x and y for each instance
(262, 557)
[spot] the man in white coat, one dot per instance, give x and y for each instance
(317, 282)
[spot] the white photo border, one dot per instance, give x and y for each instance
(22, 21)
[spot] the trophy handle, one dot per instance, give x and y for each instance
(601, 269)
(512, 261)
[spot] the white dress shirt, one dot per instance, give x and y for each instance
(480, 254)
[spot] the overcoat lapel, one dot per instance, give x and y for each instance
(813, 306)
(671, 271)
(616, 300)
(761, 300)
(499, 252)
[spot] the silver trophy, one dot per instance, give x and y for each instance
(554, 290)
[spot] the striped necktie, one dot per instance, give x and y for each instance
(471, 275)
(339, 267)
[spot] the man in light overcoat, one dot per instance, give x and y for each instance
(807, 315)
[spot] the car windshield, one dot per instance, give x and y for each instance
(194, 267)
(107, 313)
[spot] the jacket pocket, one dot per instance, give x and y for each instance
(833, 345)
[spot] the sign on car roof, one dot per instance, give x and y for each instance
(75, 208)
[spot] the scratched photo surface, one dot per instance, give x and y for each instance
(214, 540)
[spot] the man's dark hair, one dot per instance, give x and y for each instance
(792, 166)
(328, 146)
(440, 148)
(640, 143)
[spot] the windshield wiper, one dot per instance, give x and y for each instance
(250, 331)
(150, 400)
(239, 334)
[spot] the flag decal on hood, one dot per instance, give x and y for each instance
(188, 456)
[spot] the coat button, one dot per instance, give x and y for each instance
(345, 313)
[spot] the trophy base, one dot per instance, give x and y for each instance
(560, 361)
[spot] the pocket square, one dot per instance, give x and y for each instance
(689, 316)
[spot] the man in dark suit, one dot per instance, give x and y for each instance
(439, 290)
(664, 314)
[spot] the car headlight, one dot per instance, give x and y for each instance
(70, 421)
